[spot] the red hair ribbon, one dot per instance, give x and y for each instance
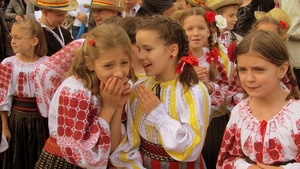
(283, 25)
(209, 16)
(231, 51)
(214, 57)
(191, 60)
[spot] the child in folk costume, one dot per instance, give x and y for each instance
(85, 111)
(165, 128)
(197, 23)
(22, 124)
(263, 131)
(54, 13)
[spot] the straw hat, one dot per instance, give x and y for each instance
(60, 5)
(197, 3)
(105, 4)
(216, 4)
(176, 14)
(276, 13)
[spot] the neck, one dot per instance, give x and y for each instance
(198, 53)
(168, 73)
(127, 10)
(45, 22)
(28, 57)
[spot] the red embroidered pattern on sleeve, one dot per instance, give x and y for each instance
(5, 79)
(79, 128)
(230, 149)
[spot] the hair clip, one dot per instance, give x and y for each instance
(209, 16)
(283, 25)
(92, 42)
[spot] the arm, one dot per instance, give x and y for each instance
(5, 128)
(10, 13)
(30, 11)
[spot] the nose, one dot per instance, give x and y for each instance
(250, 77)
(195, 31)
(235, 18)
(118, 72)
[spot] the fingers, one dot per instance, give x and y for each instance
(112, 86)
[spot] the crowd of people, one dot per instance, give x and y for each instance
(187, 84)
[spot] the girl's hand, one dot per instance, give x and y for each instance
(125, 94)
(202, 73)
(6, 134)
(253, 166)
(267, 166)
(111, 92)
(146, 98)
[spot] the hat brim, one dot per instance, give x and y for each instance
(72, 6)
(259, 14)
(226, 3)
(113, 8)
(196, 4)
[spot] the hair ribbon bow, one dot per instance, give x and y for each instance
(191, 60)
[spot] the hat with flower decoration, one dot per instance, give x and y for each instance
(105, 4)
(276, 13)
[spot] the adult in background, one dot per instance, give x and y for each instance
(5, 46)
(246, 11)
(291, 7)
(15, 11)
(165, 7)
(133, 8)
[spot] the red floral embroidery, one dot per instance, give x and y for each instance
(231, 51)
(212, 57)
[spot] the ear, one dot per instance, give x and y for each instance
(283, 69)
(90, 66)
(35, 41)
(174, 50)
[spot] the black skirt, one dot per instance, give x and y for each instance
(27, 140)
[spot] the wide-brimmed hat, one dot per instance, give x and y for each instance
(216, 4)
(105, 4)
(197, 3)
(276, 13)
(60, 5)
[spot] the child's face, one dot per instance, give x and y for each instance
(197, 31)
(258, 77)
(128, 4)
(267, 26)
(101, 14)
(155, 55)
(21, 41)
(112, 63)
(229, 13)
(55, 18)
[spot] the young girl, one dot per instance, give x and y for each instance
(168, 113)
(24, 128)
(263, 130)
(197, 23)
(85, 111)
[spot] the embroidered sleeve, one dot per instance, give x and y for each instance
(6, 74)
(83, 137)
(50, 74)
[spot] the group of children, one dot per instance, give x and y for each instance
(144, 93)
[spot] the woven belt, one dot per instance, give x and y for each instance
(274, 164)
(24, 104)
(154, 151)
(52, 147)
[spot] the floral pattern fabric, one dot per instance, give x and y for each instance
(248, 140)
